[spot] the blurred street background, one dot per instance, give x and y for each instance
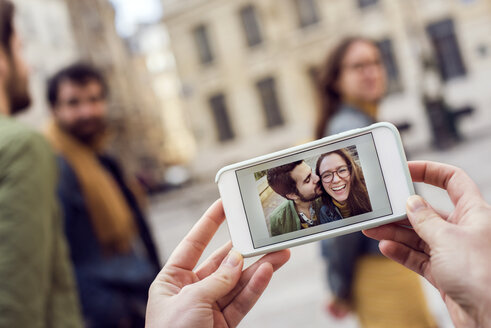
(198, 84)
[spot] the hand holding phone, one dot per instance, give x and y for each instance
(450, 250)
(330, 187)
(216, 292)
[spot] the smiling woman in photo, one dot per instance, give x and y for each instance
(343, 185)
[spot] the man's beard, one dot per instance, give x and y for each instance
(307, 199)
(79, 131)
(18, 91)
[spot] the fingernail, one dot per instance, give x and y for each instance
(415, 203)
(233, 258)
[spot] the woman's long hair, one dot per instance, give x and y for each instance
(6, 25)
(358, 200)
(330, 97)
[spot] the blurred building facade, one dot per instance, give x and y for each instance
(247, 65)
(151, 50)
(47, 36)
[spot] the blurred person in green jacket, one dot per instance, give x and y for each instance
(36, 280)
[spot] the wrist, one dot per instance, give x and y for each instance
(483, 298)
(484, 316)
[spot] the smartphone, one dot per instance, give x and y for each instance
(337, 185)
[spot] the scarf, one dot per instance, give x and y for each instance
(369, 109)
(110, 215)
(344, 209)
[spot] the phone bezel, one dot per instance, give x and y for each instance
(394, 169)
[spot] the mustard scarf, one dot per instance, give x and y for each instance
(369, 109)
(110, 215)
(344, 209)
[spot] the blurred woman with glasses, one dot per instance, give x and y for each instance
(382, 293)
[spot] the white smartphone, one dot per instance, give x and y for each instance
(326, 188)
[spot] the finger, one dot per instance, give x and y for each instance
(457, 183)
(189, 250)
(407, 223)
(443, 214)
(425, 221)
(220, 282)
(213, 262)
(249, 295)
(410, 258)
(276, 259)
(404, 222)
(398, 234)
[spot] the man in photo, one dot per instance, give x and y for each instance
(300, 186)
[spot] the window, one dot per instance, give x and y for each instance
(203, 44)
(220, 114)
(269, 99)
(447, 51)
(251, 25)
(366, 3)
(390, 63)
(307, 12)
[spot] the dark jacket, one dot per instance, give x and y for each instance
(341, 253)
(329, 213)
(113, 287)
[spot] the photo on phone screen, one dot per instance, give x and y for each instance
(331, 186)
(312, 191)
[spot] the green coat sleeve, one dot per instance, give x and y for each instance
(284, 219)
(36, 281)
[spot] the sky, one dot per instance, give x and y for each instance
(131, 12)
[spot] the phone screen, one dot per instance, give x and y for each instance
(312, 191)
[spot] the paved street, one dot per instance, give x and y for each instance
(297, 293)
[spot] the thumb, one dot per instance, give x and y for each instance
(425, 221)
(223, 280)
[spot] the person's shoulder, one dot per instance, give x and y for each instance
(318, 202)
(348, 118)
(68, 181)
(26, 157)
(64, 167)
(16, 139)
(328, 212)
(280, 212)
(14, 131)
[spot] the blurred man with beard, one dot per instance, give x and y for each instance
(36, 280)
(110, 244)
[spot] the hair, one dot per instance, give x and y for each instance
(7, 10)
(79, 73)
(330, 96)
(281, 181)
(358, 200)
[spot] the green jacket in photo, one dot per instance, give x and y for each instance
(285, 218)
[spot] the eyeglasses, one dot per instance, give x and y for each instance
(361, 66)
(342, 172)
